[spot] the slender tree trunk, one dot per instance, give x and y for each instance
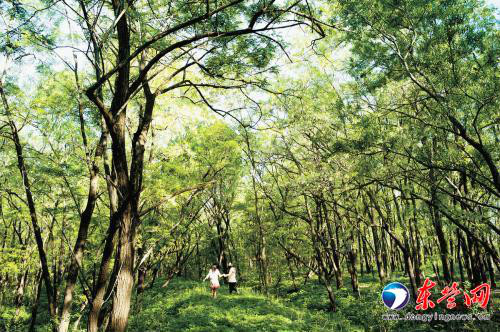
(31, 205)
(405, 246)
(81, 240)
(384, 252)
(290, 269)
(76, 324)
(141, 273)
(100, 287)
(436, 219)
(491, 272)
(376, 246)
(361, 252)
(99, 290)
(34, 309)
(366, 257)
(459, 257)
(333, 243)
(466, 256)
(475, 267)
(155, 275)
(352, 256)
(415, 242)
(331, 296)
(20, 290)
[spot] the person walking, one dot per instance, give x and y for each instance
(231, 279)
(214, 276)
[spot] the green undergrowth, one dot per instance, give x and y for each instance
(187, 306)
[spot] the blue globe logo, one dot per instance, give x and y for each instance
(395, 296)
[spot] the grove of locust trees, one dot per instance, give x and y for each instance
(144, 140)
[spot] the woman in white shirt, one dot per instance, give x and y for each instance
(231, 279)
(214, 276)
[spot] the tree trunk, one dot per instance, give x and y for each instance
(81, 240)
(125, 279)
(34, 309)
(31, 205)
(352, 255)
(376, 245)
(20, 290)
(436, 219)
(104, 271)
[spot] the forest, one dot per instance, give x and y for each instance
(322, 150)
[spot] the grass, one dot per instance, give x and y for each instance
(186, 306)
